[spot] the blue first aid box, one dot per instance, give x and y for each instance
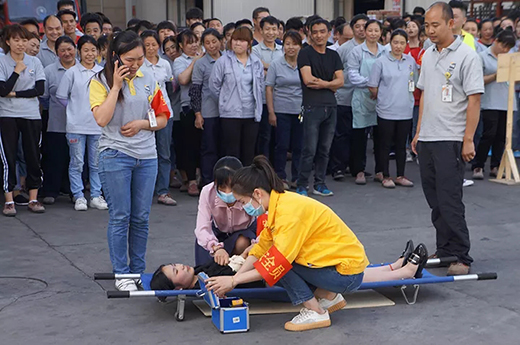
(226, 317)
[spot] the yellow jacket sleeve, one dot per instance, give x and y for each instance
(265, 241)
(98, 93)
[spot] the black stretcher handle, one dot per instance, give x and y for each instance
(447, 260)
(118, 294)
(487, 276)
(104, 276)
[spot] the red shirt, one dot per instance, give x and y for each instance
(417, 54)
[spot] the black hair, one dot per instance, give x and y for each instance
(13, 31)
(87, 39)
(116, 29)
(407, 15)
(506, 37)
(294, 23)
(310, 19)
(46, 19)
(227, 27)
(460, 5)
(374, 21)
(194, 13)
(211, 32)
(282, 23)
(260, 174)
(339, 29)
(120, 44)
(419, 19)
(166, 24)
(269, 20)
(242, 22)
(102, 41)
(34, 35)
(104, 18)
(64, 39)
(294, 35)
(399, 32)
(397, 24)
(357, 18)
(514, 15)
(212, 19)
(447, 11)
(159, 281)
(319, 21)
(143, 24)
(225, 169)
(132, 22)
(30, 21)
(64, 12)
(194, 25)
(419, 9)
(150, 33)
(65, 3)
(170, 39)
(473, 20)
(339, 21)
(186, 35)
(258, 10)
(91, 18)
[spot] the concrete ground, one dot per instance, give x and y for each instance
(48, 296)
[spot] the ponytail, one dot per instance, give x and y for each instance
(260, 174)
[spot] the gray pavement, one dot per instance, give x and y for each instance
(48, 296)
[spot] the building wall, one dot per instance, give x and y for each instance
(411, 4)
(114, 9)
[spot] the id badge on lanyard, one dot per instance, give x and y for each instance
(411, 83)
(447, 89)
(151, 113)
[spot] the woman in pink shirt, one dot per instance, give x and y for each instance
(223, 227)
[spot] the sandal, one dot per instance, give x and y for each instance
(408, 250)
(419, 257)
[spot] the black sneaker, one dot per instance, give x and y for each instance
(21, 200)
(338, 175)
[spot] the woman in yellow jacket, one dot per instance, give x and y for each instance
(326, 256)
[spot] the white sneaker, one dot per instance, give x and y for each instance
(81, 204)
(99, 203)
(308, 319)
(333, 305)
(409, 157)
(467, 183)
(125, 285)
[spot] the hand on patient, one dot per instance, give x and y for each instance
(245, 254)
(221, 257)
(220, 285)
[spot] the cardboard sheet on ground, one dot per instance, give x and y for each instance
(360, 299)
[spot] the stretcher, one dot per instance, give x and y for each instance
(279, 294)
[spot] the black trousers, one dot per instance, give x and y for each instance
(442, 175)
(393, 133)
(493, 136)
(358, 150)
(238, 138)
(10, 130)
(209, 150)
(340, 150)
(187, 143)
(55, 164)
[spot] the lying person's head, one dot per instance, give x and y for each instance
(224, 170)
(173, 277)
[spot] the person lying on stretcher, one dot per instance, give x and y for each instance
(179, 276)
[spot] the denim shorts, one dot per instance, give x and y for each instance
(300, 282)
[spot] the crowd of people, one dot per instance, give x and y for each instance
(129, 113)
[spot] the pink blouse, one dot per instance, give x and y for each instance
(213, 210)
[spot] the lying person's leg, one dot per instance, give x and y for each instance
(241, 244)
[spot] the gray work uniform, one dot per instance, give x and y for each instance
(286, 84)
(162, 72)
(392, 78)
(266, 55)
(46, 55)
(344, 94)
(496, 94)
(447, 120)
(22, 108)
(180, 65)
(57, 114)
(74, 87)
(200, 76)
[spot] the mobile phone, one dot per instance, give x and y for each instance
(119, 60)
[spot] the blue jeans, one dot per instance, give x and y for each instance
(163, 141)
(77, 144)
(128, 184)
(301, 281)
(289, 132)
(319, 125)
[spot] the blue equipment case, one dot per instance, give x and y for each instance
(226, 317)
